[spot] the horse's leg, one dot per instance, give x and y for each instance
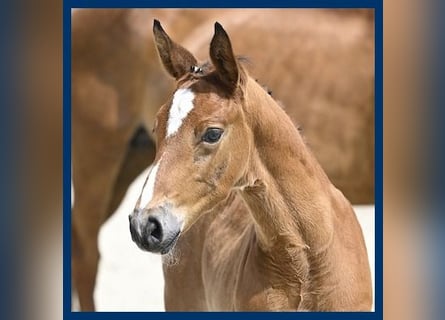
(95, 170)
(140, 154)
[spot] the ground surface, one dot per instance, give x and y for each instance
(132, 280)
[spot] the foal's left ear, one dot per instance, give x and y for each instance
(223, 59)
(177, 60)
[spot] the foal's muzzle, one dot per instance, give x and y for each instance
(155, 230)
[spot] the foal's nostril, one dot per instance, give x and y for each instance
(154, 228)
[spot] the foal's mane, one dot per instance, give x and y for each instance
(206, 68)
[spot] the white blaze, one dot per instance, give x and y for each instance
(181, 106)
(147, 192)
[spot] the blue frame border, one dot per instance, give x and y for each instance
(69, 4)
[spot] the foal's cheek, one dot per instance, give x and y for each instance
(200, 156)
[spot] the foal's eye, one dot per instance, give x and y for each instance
(212, 135)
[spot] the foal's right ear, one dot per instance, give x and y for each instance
(177, 60)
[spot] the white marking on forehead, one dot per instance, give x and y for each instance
(147, 191)
(181, 106)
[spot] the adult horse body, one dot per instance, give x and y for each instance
(117, 86)
(256, 222)
(320, 65)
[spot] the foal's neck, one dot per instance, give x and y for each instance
(286, 190)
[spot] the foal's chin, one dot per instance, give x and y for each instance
(169, 247)
(163, 248)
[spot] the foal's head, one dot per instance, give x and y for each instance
(203, 142)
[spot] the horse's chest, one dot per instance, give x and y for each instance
(240, 280)
(234, 277)
(224, 264)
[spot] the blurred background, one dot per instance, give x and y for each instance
(413, 207)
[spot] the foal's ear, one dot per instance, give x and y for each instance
(177, 60)
(223, 59)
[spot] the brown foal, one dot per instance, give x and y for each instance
(238, 199)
